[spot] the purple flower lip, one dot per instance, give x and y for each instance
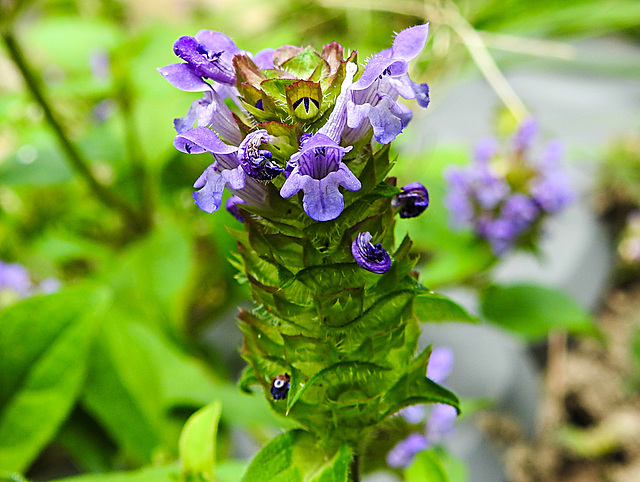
(412, 201)
(369, 256)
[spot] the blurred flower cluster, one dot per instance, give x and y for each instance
(504, 195)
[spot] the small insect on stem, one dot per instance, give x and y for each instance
(280, 386)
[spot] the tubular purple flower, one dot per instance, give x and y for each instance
(385, 78)
(412, 201)
(317, 168)
(440, 423)
(371, 257)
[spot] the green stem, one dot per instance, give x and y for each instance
(354, 469)
(73, 155)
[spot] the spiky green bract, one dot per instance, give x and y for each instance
(347, 337)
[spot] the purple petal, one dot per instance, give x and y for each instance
(183, 77)
(404, 452)
(15, 277)
(232, 207)
(440, 364)
(412, 201)
(264, 59)
(213, 63)
(201, 139)
(526, 134)
(406, 46)
(368, 256)
(413, 413)
(441, 422)
(410, 42)
(211, 183)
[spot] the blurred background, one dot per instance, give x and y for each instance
(139, 329)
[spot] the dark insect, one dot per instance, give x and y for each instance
(280, 386)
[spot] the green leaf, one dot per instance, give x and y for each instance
(44, 347)
(198, 442)
(532, 311)
(426, 466)
(295, 456)
(434, 307)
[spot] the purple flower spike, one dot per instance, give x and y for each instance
(385, 78)
(368, 256)
(404, 452)
(257, 162)
(232, 207)
(412, 201)
(205, 62)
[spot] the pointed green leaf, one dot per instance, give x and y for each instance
(430, 306)
(197, 444)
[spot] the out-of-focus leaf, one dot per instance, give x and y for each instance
(38, 161)
(150, 279)
(71, 41)
(532, 311)
(198, 443)
(426, 466)
(168, 473)
(123, 391)
(44, 348)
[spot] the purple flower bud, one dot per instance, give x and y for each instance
(368, 256)
(412, 201)
(441, 422)
(232, 206)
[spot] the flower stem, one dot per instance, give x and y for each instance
(354, 469)
(74, 156)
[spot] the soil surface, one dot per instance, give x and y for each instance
(590, 420)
